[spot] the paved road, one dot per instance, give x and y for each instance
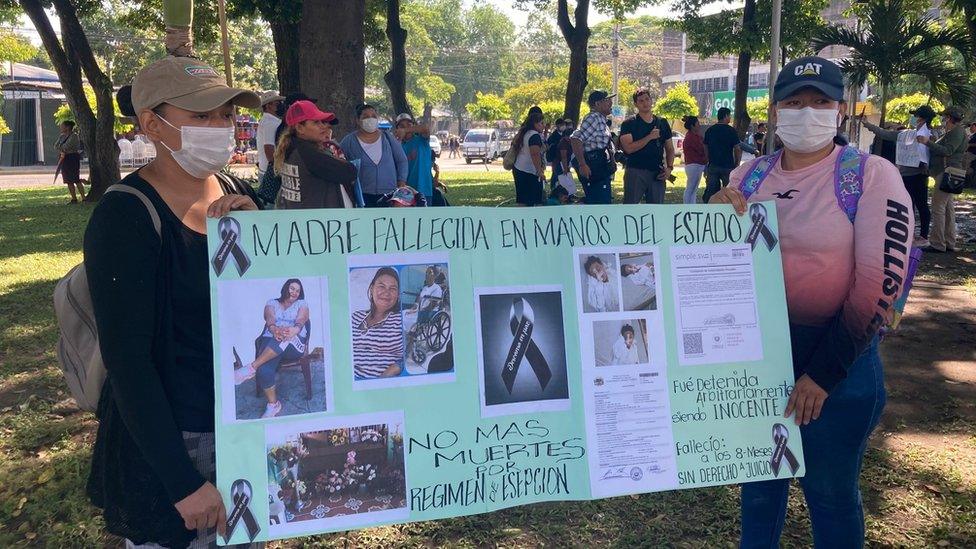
(39, 180)
(36, 180)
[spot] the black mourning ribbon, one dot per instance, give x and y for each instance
(229, 230)
(780, 438)
(521, 321)
(758, 214)
(240, 493)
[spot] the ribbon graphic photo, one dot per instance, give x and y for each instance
(230, 247)
(521, 322)
(241, 494)
(758, 214)
(781, 436)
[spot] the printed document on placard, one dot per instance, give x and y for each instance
(715, 304)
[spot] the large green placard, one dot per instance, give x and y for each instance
(417, 364)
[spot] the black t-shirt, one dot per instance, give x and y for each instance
(721, 140)
(651, 157)
(552, 147)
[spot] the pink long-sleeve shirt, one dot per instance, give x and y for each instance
(840, 275)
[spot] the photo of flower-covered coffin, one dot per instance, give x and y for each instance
(323, 475)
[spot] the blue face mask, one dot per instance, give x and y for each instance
(912, 120)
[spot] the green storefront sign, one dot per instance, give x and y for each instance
(727, 99)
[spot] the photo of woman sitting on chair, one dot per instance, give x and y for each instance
(284, 338)
(377, 332)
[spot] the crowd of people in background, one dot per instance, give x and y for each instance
(301, 164)
(918, 156)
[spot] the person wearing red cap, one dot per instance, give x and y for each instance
(311, 175)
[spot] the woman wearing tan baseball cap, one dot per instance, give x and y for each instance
(153, 463)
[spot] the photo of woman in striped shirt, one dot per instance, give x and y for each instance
(377, 333)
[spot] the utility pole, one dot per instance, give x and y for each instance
(853, 128)
(684, 50)
(773, 73)
(615, 55)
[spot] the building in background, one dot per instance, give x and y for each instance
(712, 80)
(31, 95)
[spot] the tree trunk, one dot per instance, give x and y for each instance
(285, 37)
(331, 58)
(103, 151)
(69, 59)
(969, 16)
(396, 77)
(178, 18)
(742, 119)
(742, 71)
(428, 114)
(884, 103)
(577, 37)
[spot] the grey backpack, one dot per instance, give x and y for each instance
(78, 352)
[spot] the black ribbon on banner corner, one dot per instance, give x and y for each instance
(781, 436)
(758, 214)
(241, 494)
(229, 230)
(522, 321)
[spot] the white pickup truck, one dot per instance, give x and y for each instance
(485, 144)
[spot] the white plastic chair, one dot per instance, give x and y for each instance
(150, 152)
(138, 153)
(125, 153)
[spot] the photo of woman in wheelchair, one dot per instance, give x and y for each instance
(431, 333)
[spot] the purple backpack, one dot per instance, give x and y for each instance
(848, 177)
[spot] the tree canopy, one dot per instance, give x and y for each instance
(895, 42)
(488, 107)
(722, 33)
(677, 103)
(899, 107)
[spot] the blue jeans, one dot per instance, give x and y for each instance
(557, 170)
(694, 173)
(268, 372)
(597, 191)
(833, 449)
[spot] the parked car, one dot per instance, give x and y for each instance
(485, 144)
(678, 140)
(435, 146)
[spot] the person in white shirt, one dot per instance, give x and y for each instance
(642, 275)
(601, 295)
(267, 126)
(625, 349)
(429, 298)
(912, 159)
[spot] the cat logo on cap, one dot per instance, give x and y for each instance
(200, 70)
(810, 69)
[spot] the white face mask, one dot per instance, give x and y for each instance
(204, 151)
(806, 130)
(370, 125)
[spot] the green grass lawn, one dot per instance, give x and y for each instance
(496, 188)
(45, 444)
